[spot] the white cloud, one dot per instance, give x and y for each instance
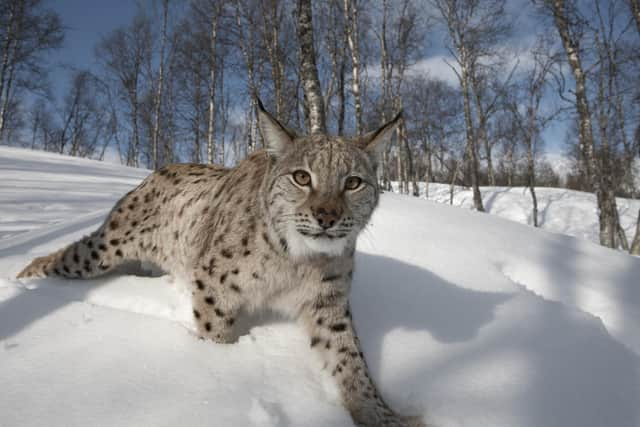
(436, 67)
(439, 66)
(433, 66)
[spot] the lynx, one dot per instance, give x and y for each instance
(278, 231)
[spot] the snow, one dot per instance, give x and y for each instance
(64, 187)
(465, 318)
(569, 212)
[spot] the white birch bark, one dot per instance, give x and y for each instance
(213, 40)
(351, 17)
(158, 97)
(308, 71)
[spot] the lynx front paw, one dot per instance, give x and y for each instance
(383, 416)
(216, 329)
(413, 422)
(217, 338)
(398, 421)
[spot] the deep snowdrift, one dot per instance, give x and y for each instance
(466, 318)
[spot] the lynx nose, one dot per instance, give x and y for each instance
(326, 217)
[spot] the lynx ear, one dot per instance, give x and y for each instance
(276, 137)
(374, 142)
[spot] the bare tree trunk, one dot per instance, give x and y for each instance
(629, 152)
(608, 208)
(471, 143)
(197, 149)
(351, 17)
(7, 47)
(635, 246)
(605, 102)
(635, 9)
(531, 174)
(510, 162)
(399, 165)
(603, 196)
(337, 53)
(534, 198)
(452, 184)
(158, 100)
(384, 62)
(247, 47)
(271, 35)
(136, 136)
(428, 173)
(211, 129)
(34, 130)
(386, 182)
(6, 97)
(341, 97)
(224, 114)
(412, 172)
(253, 134)
(134, 150)
(622, 236)
(530, 134)
(408, 170)
(487, 148)
(474, 29)
(482, 134)
(308, 70)
(13, 30)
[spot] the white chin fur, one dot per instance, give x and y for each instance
(301, 246)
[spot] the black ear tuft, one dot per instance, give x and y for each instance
(276, 136)
(375, 141)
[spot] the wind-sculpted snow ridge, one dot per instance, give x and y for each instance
(466, 318)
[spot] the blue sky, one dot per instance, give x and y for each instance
(85, 23)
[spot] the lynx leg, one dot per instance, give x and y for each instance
(214, 311)
(91, 256)
(329, 324)
(109, 246)
(128, 234)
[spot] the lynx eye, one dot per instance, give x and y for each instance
(352, 183)
(302, 178)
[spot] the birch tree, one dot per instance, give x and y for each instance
(473, 27)
(351, 14)
(570, 27)
(159, 85)
(313, 99)
(123, 54)
(28, 31)
(246, 36)
(526, 110)
(635, 10)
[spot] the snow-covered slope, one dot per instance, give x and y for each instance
(465, 318)
(64, 187)
(570, 212)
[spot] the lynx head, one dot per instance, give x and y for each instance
(321, 190)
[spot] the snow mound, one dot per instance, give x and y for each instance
(465, 318)
(574, 213)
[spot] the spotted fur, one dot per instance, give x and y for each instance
(251, 238)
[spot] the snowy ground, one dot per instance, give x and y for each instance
(465, 318)
(38, 188)
(559, 210)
